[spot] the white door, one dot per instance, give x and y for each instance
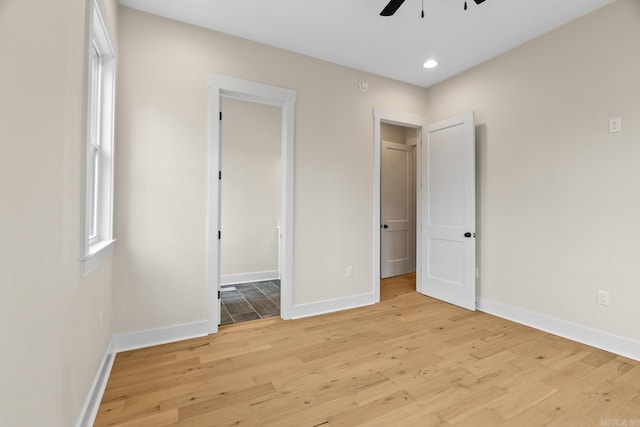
(396, 243)
(448, 255)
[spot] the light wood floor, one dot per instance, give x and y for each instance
(408, 361)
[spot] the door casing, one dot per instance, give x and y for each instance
(245, 90)
(381, 115)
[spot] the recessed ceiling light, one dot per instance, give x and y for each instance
(431, 63)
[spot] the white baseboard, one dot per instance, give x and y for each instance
(131, 341)
(330, 306)
(257, 276)
(151, 337)
(602, 340)
(94, 397)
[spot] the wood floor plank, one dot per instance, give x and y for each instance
(434, 400)
(412, 415)
(371, 410)
(408, 361)
(521, 397)
(532, 417)
(488, 397)
(159, 419)
(314, 391)
(221, 402)
(484, 417)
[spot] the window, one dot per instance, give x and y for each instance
(98, 163)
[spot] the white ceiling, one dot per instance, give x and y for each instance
(351, 32)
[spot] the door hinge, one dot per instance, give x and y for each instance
(219, 174)
(219, 294)
(220, 115)
(219, 234)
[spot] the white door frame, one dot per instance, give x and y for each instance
(406, 120)
(244, 90)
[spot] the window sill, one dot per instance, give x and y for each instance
(97, 253)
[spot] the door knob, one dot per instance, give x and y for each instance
(467, 234)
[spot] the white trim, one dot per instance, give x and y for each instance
(258, 276)
(151, 337)
(102, 16)
(98, 32)
(402, 119)
(244, 90)
(602, 340)
(331, 306)
(96, 391)
(97, 252)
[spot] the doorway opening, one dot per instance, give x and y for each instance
(249, 211)
(396, 201)
(397, 209)
(222, 88)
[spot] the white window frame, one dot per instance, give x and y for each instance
(97, 234)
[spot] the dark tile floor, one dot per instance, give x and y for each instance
(249, 301)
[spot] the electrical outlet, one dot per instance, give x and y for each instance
(349, 271)
(615, 125)
(603, 297)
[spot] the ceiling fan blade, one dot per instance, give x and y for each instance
(391, 8)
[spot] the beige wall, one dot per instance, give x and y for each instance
(399, 134)
(558, 195)
(161, 174)
(52, 344)
(392, 133)
(250, 202)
